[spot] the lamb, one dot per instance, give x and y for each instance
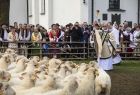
(4, 62)
(44, 61)
(86, 84)
(102, 80)
(48, 85)
(20, 65)
(102, 83)
(13, 64)
(27, 82)
(54, 63)
(30, 67)
(4, 76)
(69, 89)
(8, 90)
(10, 51)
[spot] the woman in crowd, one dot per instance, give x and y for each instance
(53, 37)
(36, 37)
(13, 38)
(135, 38)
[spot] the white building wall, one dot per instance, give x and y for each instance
(131, 8)
(46, 19)
(66, 11)
(129, 5)
(85, 11)
(18, 11)
(34, 17)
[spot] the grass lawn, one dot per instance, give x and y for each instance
(125, 78)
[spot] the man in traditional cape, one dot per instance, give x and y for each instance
(105, 47)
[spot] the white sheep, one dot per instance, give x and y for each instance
(48, 85)
(20, 65)
(102, 80)
(4, 62)
(69, 89)
(4, 76)
(27, 82)
(87, 83)
(8, 90)
(102, 83)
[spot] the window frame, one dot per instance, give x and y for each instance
(42, 7)
(114, 5)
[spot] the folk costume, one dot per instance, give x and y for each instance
(136, 42)
(54, 37)
(104, 45)
(36, 36)
(12, 37)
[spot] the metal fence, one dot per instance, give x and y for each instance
(66, 50)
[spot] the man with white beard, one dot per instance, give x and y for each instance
(116, 58)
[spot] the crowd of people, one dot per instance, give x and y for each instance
(66, 34)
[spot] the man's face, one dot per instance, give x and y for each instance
(28, 26)
(4, 26)
(20, 25)
(104, 27)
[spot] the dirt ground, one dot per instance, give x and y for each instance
(126, 79)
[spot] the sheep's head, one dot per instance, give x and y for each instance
(72, 85)
(36, 58)
(19, 57)
(83, 67)
(25, 76)
(9, 51)
(93, 64)
(1, 89)
(92, 71)
(6, 58)
(5, 76)
(50, 81)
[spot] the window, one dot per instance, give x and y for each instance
(114, 4)
(30, 7)
(105, 17)
(42, 7)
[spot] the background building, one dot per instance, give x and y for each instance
(46, 12)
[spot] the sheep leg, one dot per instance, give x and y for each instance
(98, 90)
(107, 91)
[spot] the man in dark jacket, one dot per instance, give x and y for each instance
(76, 36)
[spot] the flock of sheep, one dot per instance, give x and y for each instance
(22, 76)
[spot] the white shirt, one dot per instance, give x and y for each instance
(5, 35)
(116, 35)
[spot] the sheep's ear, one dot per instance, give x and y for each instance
(23, 74)
(1, 85)
(34, 77)
(7, 58)
(17, 60)
(96, 72)
(37, 71)
(21, 78)
(84, 73)
(6, 86)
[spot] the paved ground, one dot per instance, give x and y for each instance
(126, 79)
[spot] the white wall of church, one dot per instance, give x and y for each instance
(66, 11)
(129, 5)
(18, 11)
(46, 19)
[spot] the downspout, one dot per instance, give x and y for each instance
(92, 10)
(27, 11)
(138, 11)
